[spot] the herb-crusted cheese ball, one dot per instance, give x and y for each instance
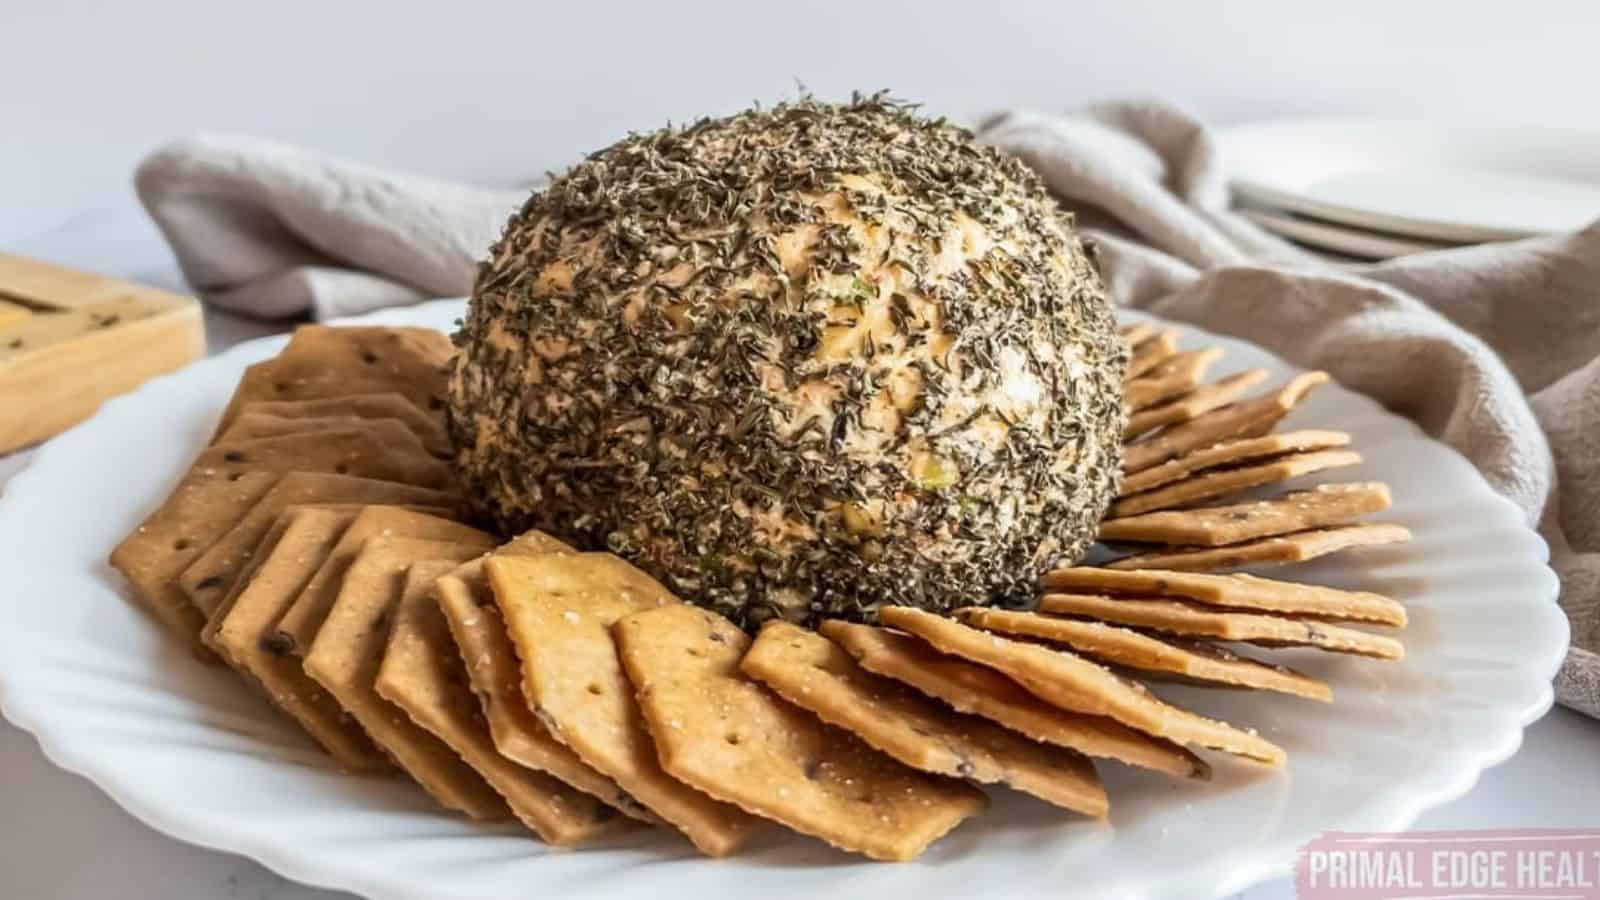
(798, 362)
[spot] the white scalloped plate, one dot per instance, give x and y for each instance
(189, 750)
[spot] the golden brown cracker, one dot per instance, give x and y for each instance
(1135, 332)
(1127, 648)
(1151, 352)
(1231, 421)
(813, 673)
(348, 651)
(558, 610)
(1278, 550)
(495, 672)
(1074, 683)
(252, 426)
(210, 576)
(225, 481)
(1238, 591)
(241, 633)
(428, 427)
(726, 735)
(206, 503)
(1231, 453)
(970, 688)
(322, 361)
(1217, 483)
(1201, 400)
(422, 674)
(1182, 618)
(1215, 526)
(1174, 377)
(297, 625)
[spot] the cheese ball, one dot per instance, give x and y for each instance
(799, 362)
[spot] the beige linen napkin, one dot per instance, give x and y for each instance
(1493, 349)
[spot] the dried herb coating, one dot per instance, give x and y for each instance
(797, 362)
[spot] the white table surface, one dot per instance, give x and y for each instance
(61, 839)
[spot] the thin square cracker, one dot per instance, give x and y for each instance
(815, 674)
(322, 361)
(423, 675)
(1278, 550)
(558, 610)
(1151, 352)
(224, 482)
(1246, 417)
(1230, 453)
(1187, 619)
(1072, 682)
(253, 426)
(1194, 404)
(1238, 591)
(1136, 332)
(970, 688)
(728, 736)
(1129, 649)
(495, 672)
(428, 427)
(297, 624)
(1216, 526)
(240, 632)
(1217, 483)
(1173, 378)
(209, 578)
(348, 652)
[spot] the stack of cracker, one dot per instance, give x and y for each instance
(1194, 447)
(313, 547)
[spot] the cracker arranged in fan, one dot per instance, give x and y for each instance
(724, 734)
(422, 674)
(1074, 683)
(314, 548)
(559, 609)
(813, 673)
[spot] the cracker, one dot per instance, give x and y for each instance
(1279, 550)
(1194, 404)
(1072, 682)
(322, 361)
(428, 427)
(1214, 526)
(558, 610)
(815, 674)
(1151, 352)
(1238, 591)
(240, 632)
(222, 484)
(726, 735)
(970, 688)
(496, 677)
(1246, 417)
(1136, 332)
(297, 624)
(210, 576)
(1173, 378)
(253, 426)
(1212, 484)
(1130, 649)
(348, 651)
(422, 674)
(1181, 618)
(1230, 453)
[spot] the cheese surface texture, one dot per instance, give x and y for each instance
(796, 362)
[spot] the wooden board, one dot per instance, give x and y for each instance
(70, 340)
